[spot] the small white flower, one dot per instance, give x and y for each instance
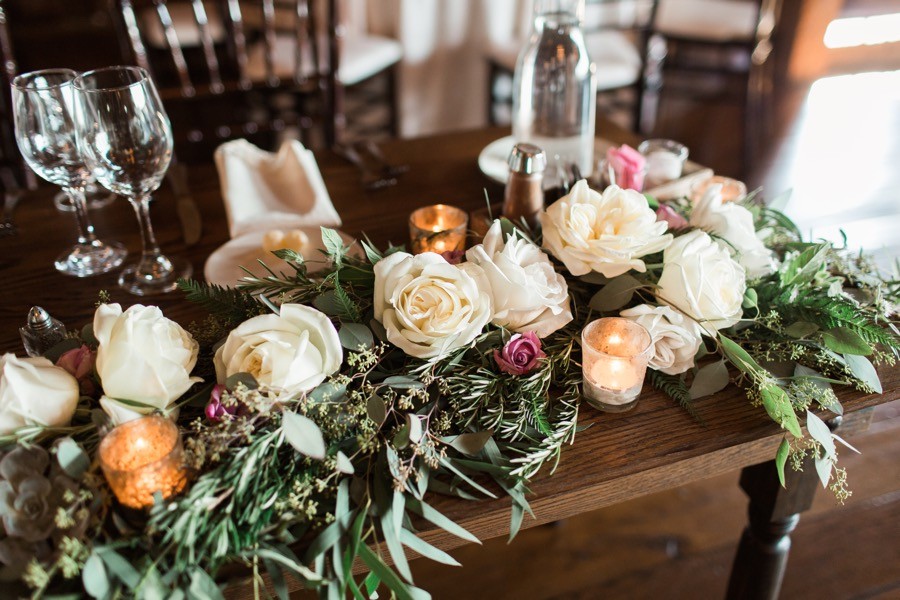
(607, 233)
(734, 224)
(701, 280)
(676, 338)
(428, 306)
(143, 357)
(291, 352)
(33, 391)
(527, 292)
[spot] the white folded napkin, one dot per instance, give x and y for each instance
(263, 190)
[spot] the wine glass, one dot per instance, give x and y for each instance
(126, 140)
(45, 111)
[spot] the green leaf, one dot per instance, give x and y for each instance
(778, 405)
(436, 518)
(846, 341)
(304, 435)
(469, 443)
(784, 450)
(328, 391)
(94, 578)
(389, 577)
(356, 337)
(801, 329)
(411, 541)
(344, 465)
(448, 464)
(276, 574)
(61, 348)
(376, 409)
(401, 382)
(415, 428)
(372, 253)
(820, 432)
(517, 516)
(119, 567)
(247, 379)
(203, 586)
(751, 298)
(333, 242)
(371, 583)
(615, 294)
(823, 470)
(709, 379)
(803, 267)
(73, 460)
(738, 356)
(863, 370)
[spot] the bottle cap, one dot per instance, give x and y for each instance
(38, 318)
(528, 159)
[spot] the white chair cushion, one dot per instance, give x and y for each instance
(713, 20)
(617, 58)
(361, 57)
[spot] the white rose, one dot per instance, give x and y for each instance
(142, 357)
(526, 292)
(428, 306)
(607, 233)
(676, 338)
(33, 391)
(700, 279)
(734, 224)
(291, 352)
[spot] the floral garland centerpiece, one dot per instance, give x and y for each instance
(319, 412)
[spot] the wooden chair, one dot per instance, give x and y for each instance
(218, 76)
(729, 38)
(617, 34)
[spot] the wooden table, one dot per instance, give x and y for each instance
(655, 447)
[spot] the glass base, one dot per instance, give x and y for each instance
(611, 408)
(85, 260)
(159, 275)
(95, 198)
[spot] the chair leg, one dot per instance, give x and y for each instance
(393, 98)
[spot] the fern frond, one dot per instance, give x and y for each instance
(829, 312)
(228, 304)
(675, 388)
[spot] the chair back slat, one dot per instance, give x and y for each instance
(174, 46)
(133, 32)
(238, 42)
(209, 52)
(305, 41)
(269, 39)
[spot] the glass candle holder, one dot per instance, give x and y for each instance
(142, 457)
(665, 161)
(615, 353)
(732, 189)
(438, 228)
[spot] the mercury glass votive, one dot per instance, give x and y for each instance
(732, 189)
(615, 353)
(665, 161)
(438, 228)
(142, 457)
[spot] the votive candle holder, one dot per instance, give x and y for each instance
(732, 189)
(665, 161)
(615, 353)
(141, 458)
(438, 228)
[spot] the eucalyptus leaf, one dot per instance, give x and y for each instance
(434, 517)
(329, 391)
(846, 341)
(401, 382)
(751, 298)
(615, 294)
(121, 568)
(709, 379)
(781, 456)
(376, 409)
(356, 337)
(247, 379)
(304, 435)
(344, 465)
(777, 403)
(517, 516)
(94, 577)
(801, 329)
(738, 356)
(61, 348)
(415, 428)
(73, 460)
(390, 579)
(416, 544)
(401, 438)
(87, 335)
(819, 431)
(469, 443)
(844, 442)
(863, 370)
(823, 469)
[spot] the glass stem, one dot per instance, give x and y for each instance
(83, 222)
(150, 253)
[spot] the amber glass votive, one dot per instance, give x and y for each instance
(615, 353)
(438, 228)
(142, 457)
(732, 189)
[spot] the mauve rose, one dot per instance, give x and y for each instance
(520, 355)
(667, 215)
(215, 410)
(454, 257)
(79, 362)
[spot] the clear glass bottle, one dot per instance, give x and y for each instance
(555, 91)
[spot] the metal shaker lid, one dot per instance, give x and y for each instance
(528, 159)
(38, 318)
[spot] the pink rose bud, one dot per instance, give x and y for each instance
(668, 215)
(628, 166)
(79, 362)
(215, 410)
(520, 355)
(454, 257)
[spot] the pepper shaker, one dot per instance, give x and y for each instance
(524, 196)
(41, 332)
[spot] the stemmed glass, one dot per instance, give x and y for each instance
(45, 112)
(126, 140)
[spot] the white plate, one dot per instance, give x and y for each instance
(493, 159)
(223, 267)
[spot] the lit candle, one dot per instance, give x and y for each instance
(665, 161)
(615, 353)
(142, 457)
(438, 228)
(732, 189)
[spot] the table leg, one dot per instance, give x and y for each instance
(774, 511)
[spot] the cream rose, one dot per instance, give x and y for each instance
(700, 279)
(526, 292)
(143, 357)
(676, 338)
(734, 224)
(428, 306)
(607, 233)
(291, 352)
(33, 391)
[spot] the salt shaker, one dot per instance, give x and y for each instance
(41, 332)
(524, 197)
